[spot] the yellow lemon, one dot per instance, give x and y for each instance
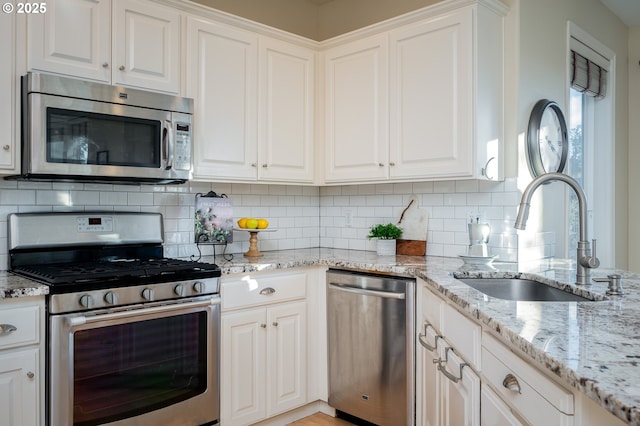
(252, 223)
(263, 223)
(242, 223)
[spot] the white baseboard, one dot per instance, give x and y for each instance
(299, 413)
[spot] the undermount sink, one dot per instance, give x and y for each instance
(521, 289)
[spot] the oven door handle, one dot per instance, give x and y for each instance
(75, 321)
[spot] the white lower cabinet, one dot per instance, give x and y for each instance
(494, 411)
(264, 359)
(528, 392)
(21, 384)
(448, 388)
(19, 388)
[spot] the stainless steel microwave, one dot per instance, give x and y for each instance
(84, 131)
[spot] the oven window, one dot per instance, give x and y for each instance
(90, 138)
(125, 370)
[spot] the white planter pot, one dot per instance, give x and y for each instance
(386, 247)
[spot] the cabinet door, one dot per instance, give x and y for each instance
(222, 80)
(287, 354)
(356, 131)
(285, 145)
(19, 384)
(243, 367)
(146, 45)
(8, 93)
(73, 37)
(460, 403)
(429, 380)
(432, 98)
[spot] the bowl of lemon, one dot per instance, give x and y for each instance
(253, 223)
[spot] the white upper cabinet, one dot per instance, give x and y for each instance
(420, 101)
(73, 38)
(286, 113)
(222, 74)
(130, 42)
(431, 98)
(9, 86)
(356, 111)
(253, 103)
(146, 45)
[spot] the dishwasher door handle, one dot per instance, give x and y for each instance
(367, 292)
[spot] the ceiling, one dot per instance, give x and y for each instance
(627, 10)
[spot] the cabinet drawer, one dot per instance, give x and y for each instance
(463, 334)
(24, 321)
(539, 399)
(252, 290)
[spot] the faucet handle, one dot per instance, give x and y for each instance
(592, 261)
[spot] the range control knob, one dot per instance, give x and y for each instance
(147, 294)
(198, 287)
(111, 297)
(86, 301)
(179, 290)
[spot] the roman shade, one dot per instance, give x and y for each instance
(588, 71)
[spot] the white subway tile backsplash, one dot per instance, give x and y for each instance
(303, 216)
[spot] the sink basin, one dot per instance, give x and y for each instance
(522, 290)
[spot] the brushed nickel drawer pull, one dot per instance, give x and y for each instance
(267, 291)
(422, 338)
(6, 329)
(511, 382)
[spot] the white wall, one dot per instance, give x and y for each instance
(543, 74)
(634, 149)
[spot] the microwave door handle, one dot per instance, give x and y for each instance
(167, 142)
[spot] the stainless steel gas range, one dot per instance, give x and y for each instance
(132, 336)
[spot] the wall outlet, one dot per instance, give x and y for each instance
(348, 217)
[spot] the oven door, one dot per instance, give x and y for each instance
(76, 138)
(154, 365)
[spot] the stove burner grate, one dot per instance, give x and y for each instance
(116, 269)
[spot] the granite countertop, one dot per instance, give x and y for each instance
(12, 286)
(590, 346)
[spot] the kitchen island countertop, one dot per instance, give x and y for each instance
(591, 346)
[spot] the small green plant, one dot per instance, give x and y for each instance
(385, 232)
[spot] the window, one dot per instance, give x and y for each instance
(590, 126)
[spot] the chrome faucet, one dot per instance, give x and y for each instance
(584, 260)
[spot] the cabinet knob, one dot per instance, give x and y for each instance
(275, 323)
(511, 382)
(6, 147)
(121, 68)
(31, 375)
(392, 164)
(105, 65)
(265, 165)
(263, 325)
(254, 165)
(380, 164)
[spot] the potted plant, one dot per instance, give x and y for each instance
(386, 235)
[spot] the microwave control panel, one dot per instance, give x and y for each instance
(182, 154)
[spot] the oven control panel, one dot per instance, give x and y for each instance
(132, 295)
(95, 224)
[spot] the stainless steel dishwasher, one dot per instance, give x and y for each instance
(370, 320)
